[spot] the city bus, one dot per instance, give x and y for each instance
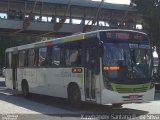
(111, 66)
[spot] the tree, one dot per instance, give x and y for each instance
(150, 9)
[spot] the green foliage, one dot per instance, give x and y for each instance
(150, 10)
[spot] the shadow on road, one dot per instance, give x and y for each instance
(56, 106)
(2, 82)
(53, 106)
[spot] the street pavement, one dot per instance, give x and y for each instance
(14, 106)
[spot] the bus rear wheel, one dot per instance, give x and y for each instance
(25, 89)
(74, 96)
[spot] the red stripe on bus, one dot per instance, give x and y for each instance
(49, 43)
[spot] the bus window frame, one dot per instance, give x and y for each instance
(7, 60)
(37, 57)
(26, 59)
(61, 65)
(69, 45)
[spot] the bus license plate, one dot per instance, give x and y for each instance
(133, 97)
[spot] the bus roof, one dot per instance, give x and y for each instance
(74, 37)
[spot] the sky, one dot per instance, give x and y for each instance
(116, 1)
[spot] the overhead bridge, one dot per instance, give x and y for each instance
(64, 17)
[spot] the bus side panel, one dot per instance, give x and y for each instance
(77, 78)
(20, 77)
(28, 74)
(9, 79)
(55, 78)
(46, 81)
(41, 83)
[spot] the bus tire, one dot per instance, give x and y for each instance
(74, 96)
(25, 89)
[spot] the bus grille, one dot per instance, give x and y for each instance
(126, 90)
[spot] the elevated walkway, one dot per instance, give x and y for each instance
(59, 17)
(35, 28)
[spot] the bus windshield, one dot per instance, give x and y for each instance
(127, 62)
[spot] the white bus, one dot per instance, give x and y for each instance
(103, 67)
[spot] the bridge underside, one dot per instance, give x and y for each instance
(61, 18)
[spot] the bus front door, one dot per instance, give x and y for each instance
(14, 70)
(90, 81)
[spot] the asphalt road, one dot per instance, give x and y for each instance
(13, 106)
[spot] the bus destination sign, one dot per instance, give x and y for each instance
(124, 36)
(118, 35)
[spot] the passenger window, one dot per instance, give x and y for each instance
(9, 60)
(43, 57)
(73, 54)
(22, 58)
(31, 58)
(56, 55)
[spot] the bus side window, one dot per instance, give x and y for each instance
(56, 56)
(9, 60)
(73, 54)
(31, 58)
(22, 58)
(42, 62)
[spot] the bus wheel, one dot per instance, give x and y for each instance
(74, 96)
(117, 105)
(25, 89)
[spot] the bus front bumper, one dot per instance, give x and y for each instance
(112, 97)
